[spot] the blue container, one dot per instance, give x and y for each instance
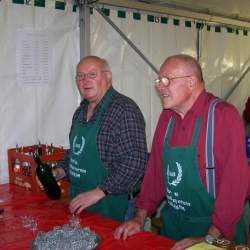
(248, 147)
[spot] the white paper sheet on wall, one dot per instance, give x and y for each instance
(32, 57)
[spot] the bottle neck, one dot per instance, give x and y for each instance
(37, 160)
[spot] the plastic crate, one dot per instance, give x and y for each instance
(22, 165)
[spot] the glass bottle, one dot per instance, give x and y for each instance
(17, 166)
(39, 149)
(44, 174)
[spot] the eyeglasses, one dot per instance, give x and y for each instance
(82, 76)
(90, 75)
(166, 80)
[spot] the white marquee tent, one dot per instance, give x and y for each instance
(40, 47)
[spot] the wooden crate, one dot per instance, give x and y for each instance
(22, 165)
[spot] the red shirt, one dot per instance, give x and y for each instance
(231, 167)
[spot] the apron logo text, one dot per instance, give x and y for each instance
(176, 203)
(172, 174)
(78, 147)
(75, 171)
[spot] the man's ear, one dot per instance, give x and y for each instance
(108, 75)
(192, 82)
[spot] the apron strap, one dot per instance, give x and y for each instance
(169, 129)
(196, 132)
(210, 166)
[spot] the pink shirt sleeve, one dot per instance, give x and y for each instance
(152, 189)
(232, 171)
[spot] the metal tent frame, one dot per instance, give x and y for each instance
(84, 23)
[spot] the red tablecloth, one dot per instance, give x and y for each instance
(18, 202)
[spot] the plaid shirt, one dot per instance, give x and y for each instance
(121, 142)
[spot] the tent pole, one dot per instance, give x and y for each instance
(198, 44)
(132, 45)
(84, 26)
(236, 84)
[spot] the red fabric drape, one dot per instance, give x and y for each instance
(18, 202)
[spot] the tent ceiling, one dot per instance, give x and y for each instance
(218, 11)
(227, 8)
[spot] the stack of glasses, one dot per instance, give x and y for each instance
(70, 236)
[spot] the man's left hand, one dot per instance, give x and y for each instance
(85, 199)
(187, 242)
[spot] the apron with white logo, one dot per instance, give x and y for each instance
(189, 206)
(86, 170)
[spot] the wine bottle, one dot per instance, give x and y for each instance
(44, 174)
(39, 149)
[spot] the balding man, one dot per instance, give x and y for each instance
(108, 150)
(197, 163)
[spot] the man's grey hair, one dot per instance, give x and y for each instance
(103, 61)
(190, 62)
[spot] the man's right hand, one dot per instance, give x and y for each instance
(131, 227)
(128, 228)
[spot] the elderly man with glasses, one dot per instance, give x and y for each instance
(108, 150)
(197, 164)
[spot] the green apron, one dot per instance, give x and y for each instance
(189, 206)
(86, 170)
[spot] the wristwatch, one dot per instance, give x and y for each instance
(106, 192)
(210, 239)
